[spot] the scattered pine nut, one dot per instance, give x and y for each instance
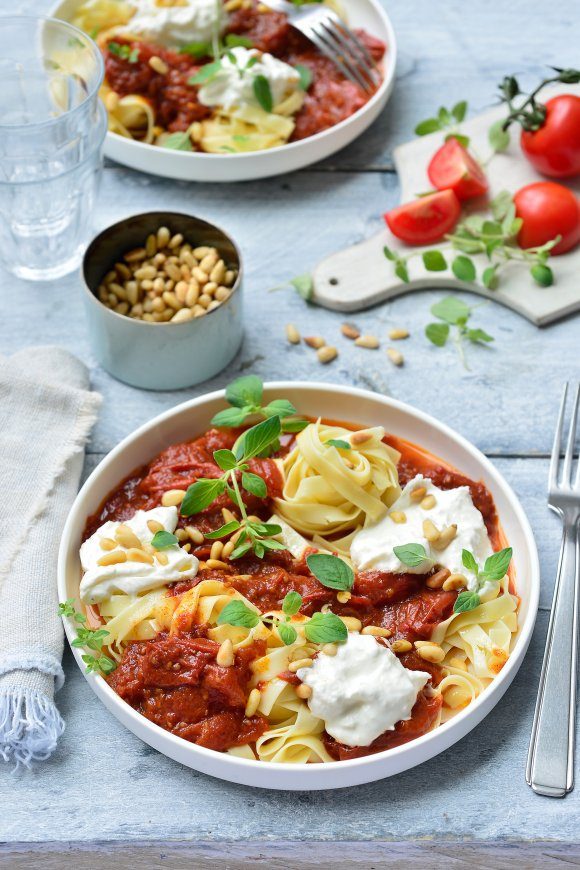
(401, 646)
(418, 493)
(315, 341)
(136, 554)
(455, 582)
(253, 703)
(228, 549)
(162, 558)
(360, 437)
(216, 563)
(376, 631)
(228, 516)
(115, 557)
(216, 550)
(195, 535)
(326, 354)
(330, 649)
(369, 341)
(429, 651)
(436, 581)
(158, 65)
(301, 663)
(398, 517)
(352, 623)
(225, 654)
(428, 502)
(173, 497)
(343, 596)
(303, 691)
(292, 334)
(126, 537)
(430, 531)
(398, 334)
(445, 538)
(107, 544)
(395, 356)
(349, 331)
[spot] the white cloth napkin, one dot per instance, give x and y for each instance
(46, 414)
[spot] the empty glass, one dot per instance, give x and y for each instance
(52, 128)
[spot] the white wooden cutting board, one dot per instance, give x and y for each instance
(360, 276)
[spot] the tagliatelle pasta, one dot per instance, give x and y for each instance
(279, 650)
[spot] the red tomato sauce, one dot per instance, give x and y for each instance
(174, 680)
(330, 99)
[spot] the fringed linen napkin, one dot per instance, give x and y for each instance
(46, 414)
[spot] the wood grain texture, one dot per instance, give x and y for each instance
(107, 794)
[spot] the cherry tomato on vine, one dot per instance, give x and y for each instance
(554, 149)
(426, 219)
(548, 210)
(453, 168)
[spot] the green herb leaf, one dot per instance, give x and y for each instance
(467, 600)
(287, 633)
(331, 571)
(304, 286)
(236, 613)
(241, 548)
(224, 531)
(501, 204)
(279, 408)
(292, 603)
(235, 40)
(490, 278)
(401, 271)
(412, 555)
(200, 495)
(263, 93)
(225, 459)
(469, 562)
(197, 49)
(206, 73)
(496, 565)
(437, 333)
(389, 254)
(256, 439)
(459, 111)
(451, 310)
(326, 628)
(338, 443)
(499, 139)
(463, 268)
(265, 528)
(272, 545)
(542, 275)
(305, 74)
(231, 417)
(163, 540)
(254, 484)
(430, 125)
(478, 335)
(96, 664)
(67, 608)
(294, 425)
(178, 142)
(434, 261)
(246, 391)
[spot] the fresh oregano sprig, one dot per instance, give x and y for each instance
(453, 313)
(321, 628)
(448, 121)
(494, 570)
(331, 571)
(245, 395)
(234, 464)
(88, 638)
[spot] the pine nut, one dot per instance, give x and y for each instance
(301, 663)
(228, 549)
(216, 563)
(360, 437)
(182, 316)
(401, 646)
(158, 304)
(445, 538)
(173, 497)
(136, 554)
(200, 253)
(228, 516)
(192, 294)
(113, 558)
(210, 288)
(352, 623)
(315, 341)
(399, 517)
(398, 334)
(330, 649)
(204, 300)
(162, 558)
(303, 691)
(395, 356)
(418, 493)
(429, 651)
(181, 289)
(173, 271)
(107, 544)
(195, 535)
(122, 308)
(209, 261)
(326, 354)
(229, 277)
(376, 631)
(163, 236)
(222, 293)
(175, 241)
(135, 256)
(292, 334)
(430, 531)
(436, 581)
(253, 703)
(225, 654)
(218, 272)
(171, 299)
(349, 331)
(127, 537)
(132, 289)
(122, 270)
(369, 341)
(186, 547)
(428, 502)
(156, 63)
(343, 596)
(216, 550)
(181, 535)
(455, 582)
(200, 276)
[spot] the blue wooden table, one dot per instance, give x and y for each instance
(105, 797)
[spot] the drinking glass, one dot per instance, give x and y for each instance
(52, 128)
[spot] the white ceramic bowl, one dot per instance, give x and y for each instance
(186, 166)
(192, 418)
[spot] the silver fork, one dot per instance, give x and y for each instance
(334, 39)
(550, 768)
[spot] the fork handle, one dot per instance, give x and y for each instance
(550, 768)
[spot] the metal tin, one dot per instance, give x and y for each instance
(161, 356)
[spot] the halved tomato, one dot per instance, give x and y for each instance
(548, 210)
(453, 168)
(426, 219)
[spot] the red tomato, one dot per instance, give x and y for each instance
(426, 219)
(453, 168)
(554, 149)
(548, 210)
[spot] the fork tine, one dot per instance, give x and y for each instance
(336, 52)
(349, 42)
(331, 53)
(555, 458)
(569, 456)
(352, 38)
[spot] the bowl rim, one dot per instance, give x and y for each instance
(360, 769)
(181, 157)
(172, 214)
